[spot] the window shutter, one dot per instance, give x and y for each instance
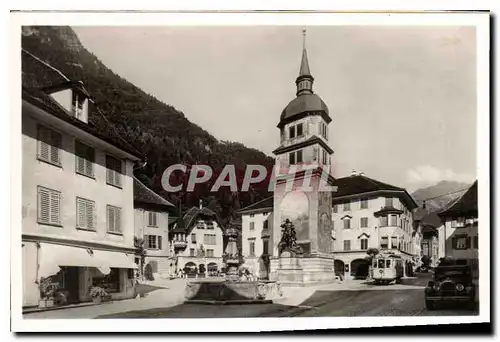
(159, 242)
(43, 140)
(80, 207)
(89, 162)
(118, 179)
(118, 224)
(56, 140)
(111, 219)
(468, 245)
(54, 207)
(90, 214)
(454, 243)
(43, 205)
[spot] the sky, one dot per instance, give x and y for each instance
(402, 99)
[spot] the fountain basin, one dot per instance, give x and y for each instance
(221, 292)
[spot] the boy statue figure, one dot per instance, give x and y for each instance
(288, 243)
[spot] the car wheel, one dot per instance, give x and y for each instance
(430, 305)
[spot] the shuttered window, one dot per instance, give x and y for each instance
(113, 171)
(152, 219)
(114, 219)
(49, 206)
(85, 210)
(85, 158)
(49, 145)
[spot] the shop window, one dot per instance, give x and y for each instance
(110, 282)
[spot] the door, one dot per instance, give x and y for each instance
(71, 277)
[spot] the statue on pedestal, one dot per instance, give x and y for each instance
(288, 244)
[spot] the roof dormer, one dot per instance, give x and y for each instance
(72, 97)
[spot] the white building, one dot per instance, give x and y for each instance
(196, 241)
(458, 235)
(151, 226)
(257, 222)
(77, 199)
(370, 214)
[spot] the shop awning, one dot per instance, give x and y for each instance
(53, 256)
(115, 259)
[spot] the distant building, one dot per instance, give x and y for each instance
(151, 226)
(367, 214)
(77, 199)
(196, 240)
(458, 234)
(426, 225)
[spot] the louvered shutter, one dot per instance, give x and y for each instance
(146, 241)
(118, 222)
(81, 208)
(109, 170)
(56, 142)
(89, 162)
(43, 205)
(80, 161)
(43, 141)
(118, 170)
(90, 214)
(111, 219)
(54, 207)
(159, 242)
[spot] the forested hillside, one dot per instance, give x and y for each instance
(157, 130)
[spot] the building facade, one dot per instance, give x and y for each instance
(459, 231)
(256, 225)
(370, 214)
(77, 200)
(196, 242)
(151, 213)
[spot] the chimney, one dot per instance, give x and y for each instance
(353, 173)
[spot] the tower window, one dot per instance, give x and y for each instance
(300, 129)
(325, 158)
(292, 132)
(291, 158)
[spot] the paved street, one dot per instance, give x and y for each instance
(361, 299)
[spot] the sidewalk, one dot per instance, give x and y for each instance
(169, 293)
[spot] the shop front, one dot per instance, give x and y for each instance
(61, 274)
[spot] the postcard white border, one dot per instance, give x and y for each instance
(479, 20)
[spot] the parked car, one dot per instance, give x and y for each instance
(452, 283)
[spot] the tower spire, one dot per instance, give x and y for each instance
(305, 80)
(304, 65)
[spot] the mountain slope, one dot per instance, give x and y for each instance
(446, 188)
(159, 131)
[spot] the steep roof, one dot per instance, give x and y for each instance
(185, 223)
(466, 205)
(40, 99)
(266, 204)
(359, 185)
(144, 195)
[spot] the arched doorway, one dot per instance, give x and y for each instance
(212, 269)
(338, 266)
(190, 269)
(359, 268)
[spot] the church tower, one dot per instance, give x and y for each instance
(305, 157)
(304, 123)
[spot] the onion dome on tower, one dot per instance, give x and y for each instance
(306, 102)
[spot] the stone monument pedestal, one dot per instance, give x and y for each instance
(302, 271)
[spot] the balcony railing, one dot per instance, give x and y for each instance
(179, 244)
